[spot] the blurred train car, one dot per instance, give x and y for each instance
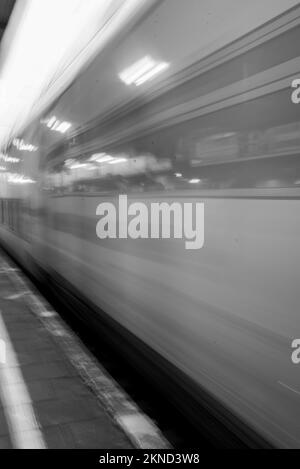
(217, 126)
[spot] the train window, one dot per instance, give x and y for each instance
(252, 145)
(217, 128)
(254, 159)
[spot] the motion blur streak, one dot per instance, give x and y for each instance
(46, 44)
(218, 127)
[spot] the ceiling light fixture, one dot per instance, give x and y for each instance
(56, 125)
(20, 179)
(101, 158)
(159, 68)
(135, 71)
(142, 71)
(118, 160)
(78, 165)
(22, 146)
(9, 159)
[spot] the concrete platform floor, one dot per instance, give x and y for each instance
(44, 403)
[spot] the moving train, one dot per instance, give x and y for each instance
(210, 120)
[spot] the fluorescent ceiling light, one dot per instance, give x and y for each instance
(96, 156)
(118, 160)
(22, 146)
(54, 124)
(101, 158)
(19, 179)
(133, 73)
(51, 122)
(159, 68)
(9, 159)
(143, 70)
(63, 127)
(78, 165)
(195, 181)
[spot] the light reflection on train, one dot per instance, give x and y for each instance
(129, 171)
(225, 132)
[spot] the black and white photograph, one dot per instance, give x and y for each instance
(149, 229)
